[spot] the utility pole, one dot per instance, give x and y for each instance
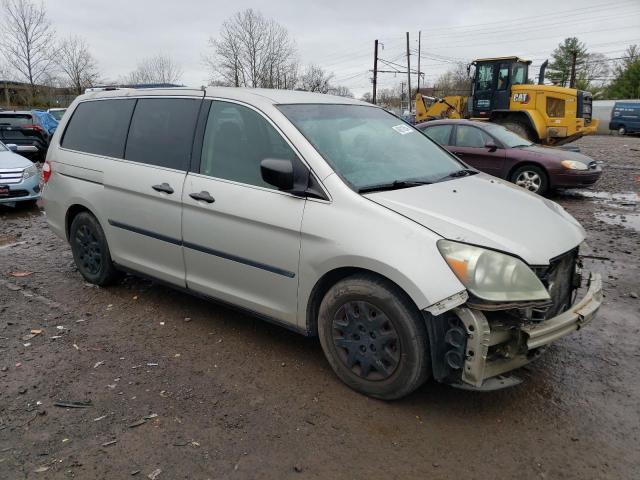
(375, 70)
(419, 72)
(401, 97)
(408, 74)
(572, 80)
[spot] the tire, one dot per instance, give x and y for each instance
(622, 130)
(90, 250)
(532, 178)
(519, 129)
(374, 337)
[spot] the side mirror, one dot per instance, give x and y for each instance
(13, 147)
(492, 147)
(278, 173)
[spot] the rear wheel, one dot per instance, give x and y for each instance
(374, 337)
(622, 130)
(90, 250)
(532, 178)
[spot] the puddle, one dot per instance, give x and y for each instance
(622, 200)
(631, 221)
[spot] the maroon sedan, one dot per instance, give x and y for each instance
(497, 151)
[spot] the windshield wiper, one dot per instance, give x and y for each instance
(465, 172)
(395, 185)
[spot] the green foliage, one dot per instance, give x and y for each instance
(559, 69)
(627, 82)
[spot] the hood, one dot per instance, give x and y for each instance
(556, 153)
(485, 211)
(9, 159)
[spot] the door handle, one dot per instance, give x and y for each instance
(204, 196)
(458, 154)
(163, 187)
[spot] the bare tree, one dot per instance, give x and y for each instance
(315, 79)
(253, 51)
(340, 91)
(77, 64)
(26, 39)
(593, 75)
(455, 81)
(5, 78)
(157, 69)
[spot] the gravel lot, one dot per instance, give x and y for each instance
(199, 391)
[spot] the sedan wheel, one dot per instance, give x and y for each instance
(532, 178)
(529, 180)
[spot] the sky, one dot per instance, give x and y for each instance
(339, 35)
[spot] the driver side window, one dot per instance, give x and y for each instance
(236, 140)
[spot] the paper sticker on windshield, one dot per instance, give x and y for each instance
(403, 129)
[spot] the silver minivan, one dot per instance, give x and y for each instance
(326, 215)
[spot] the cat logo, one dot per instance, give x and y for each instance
(521, 97)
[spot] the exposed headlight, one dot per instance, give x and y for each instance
(574, 165)
(30, 172)
(492, 275)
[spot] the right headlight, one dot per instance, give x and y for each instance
(574, 165)
(29, 172)
(491, 275)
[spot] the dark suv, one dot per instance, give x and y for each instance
(26, 130)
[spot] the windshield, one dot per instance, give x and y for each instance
(507, 137)
(370, 147)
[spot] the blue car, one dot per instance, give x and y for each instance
(19, 178)
(625, 117)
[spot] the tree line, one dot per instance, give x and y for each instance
(250, 51)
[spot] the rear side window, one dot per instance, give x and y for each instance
(439, 134)
(16, 120)
(161, 132)
(99, 127)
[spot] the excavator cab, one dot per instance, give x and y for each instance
(493, 79)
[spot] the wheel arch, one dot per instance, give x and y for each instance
(328, 280)
(71, 213)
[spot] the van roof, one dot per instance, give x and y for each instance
(250, 95)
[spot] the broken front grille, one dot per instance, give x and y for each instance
(560, 279)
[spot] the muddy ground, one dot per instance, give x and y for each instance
(224, 395)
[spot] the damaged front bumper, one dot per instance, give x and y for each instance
(493, 348)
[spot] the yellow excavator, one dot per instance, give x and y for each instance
(545, 114)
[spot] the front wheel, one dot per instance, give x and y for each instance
(622, 130)
(532, 178)
(519, 129)
(90, 250)
(374, 337)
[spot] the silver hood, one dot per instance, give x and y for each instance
(486, 211)
(8, 159)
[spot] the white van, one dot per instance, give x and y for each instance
(326, 215)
